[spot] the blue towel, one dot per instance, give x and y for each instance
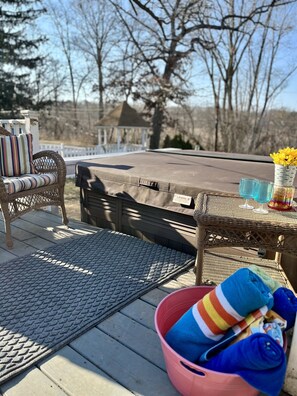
(208, 320)
(285, 304)
(258, 359)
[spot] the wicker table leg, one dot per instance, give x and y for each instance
(200, 253)
(278, 255)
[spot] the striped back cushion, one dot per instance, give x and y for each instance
(16, 155)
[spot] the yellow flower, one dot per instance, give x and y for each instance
(286, 156)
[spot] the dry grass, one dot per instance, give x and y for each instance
(72, 199)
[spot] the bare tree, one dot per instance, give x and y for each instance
(50, 80)
(96, 36)
(162, 45)
(165, 35)
(243, 69)
(123, 70)
(286, 122)
(62, 18)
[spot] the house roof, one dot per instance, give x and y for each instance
(123, 116)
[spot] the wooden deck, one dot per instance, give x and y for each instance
(120, 356)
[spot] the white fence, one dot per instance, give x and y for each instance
(75, 151)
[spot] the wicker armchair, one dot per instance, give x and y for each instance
(15, 204)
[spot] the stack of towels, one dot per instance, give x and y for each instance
(237, 328)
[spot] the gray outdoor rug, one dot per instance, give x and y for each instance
(50, 297)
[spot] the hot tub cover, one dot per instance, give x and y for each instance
(170, 179)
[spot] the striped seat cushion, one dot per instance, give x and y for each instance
(16, 155)
(28, 182)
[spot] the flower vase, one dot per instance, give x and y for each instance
(284, 175)
(283, 187)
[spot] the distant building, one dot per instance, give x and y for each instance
(123, 125)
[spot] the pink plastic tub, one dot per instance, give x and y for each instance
(188, 378)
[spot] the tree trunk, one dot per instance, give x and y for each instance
(100, 83)
(158, 117)
(56, 128)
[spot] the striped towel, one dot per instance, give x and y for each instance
(235, 333)
(207, 322)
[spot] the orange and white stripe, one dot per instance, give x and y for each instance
(214, 314)
(246, 322)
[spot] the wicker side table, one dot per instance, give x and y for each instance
(221, 223)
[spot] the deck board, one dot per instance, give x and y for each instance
(131, 370)
(220, 266)
(135, 336)
(154, 296)
(88, 379)
(141, 312)
(5, 255)
(31, 383)
(119, 356)
(21, 249)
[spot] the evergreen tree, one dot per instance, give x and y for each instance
(18, 52)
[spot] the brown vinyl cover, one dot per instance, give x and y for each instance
(155, 177)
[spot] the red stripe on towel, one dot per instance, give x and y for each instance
(207, 319)
(226, 316)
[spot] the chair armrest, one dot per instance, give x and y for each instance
(49, 161)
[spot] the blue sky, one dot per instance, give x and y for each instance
(288, 97)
